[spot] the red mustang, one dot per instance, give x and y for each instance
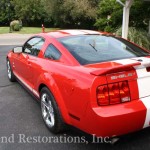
(94, 81)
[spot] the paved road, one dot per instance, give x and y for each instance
(20, 114)
(13, 38)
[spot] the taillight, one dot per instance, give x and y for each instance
(124, 91)
(102, 96)
(114, 93)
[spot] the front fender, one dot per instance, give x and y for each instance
(10, 58)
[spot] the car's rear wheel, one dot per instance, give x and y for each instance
(50, 112)
(10, 73)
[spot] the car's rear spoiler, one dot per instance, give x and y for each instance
(120, 68)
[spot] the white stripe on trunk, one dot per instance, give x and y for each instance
(146, 102)
(143, 82)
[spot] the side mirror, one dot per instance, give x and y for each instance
(18, 49)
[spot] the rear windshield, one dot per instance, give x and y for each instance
(89, 49)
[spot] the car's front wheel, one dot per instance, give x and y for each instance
(10, 73)
(50, 112)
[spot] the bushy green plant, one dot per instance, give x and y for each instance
(15, 25)
(108, 29)
(138, 36)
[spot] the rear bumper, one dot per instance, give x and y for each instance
(118, 119)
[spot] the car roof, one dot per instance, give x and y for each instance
(64, 33)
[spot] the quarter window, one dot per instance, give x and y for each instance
(52, 52)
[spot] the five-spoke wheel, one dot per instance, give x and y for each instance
(47, 110)
(50, 111)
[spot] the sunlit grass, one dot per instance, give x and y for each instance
(27, 30)
(4, 30)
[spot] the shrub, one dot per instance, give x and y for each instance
(108, 29)
(15, 25)
(138, 36)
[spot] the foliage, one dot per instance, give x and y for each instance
(110, 14)
(30, 11)
(15, 25)
(62, 13)
(140, 14)
(138, 36)
(6, 12)
(105, 15)
(72, 13)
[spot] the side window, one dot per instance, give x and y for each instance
(52, 52)
(33, 46)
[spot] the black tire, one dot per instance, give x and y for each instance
(10, 73)
(51, 116)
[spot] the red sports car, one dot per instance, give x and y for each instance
(94, 81)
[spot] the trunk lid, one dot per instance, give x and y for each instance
(136, 71)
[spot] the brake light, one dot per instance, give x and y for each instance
(114, 93)
(103, 96)
(124, 91)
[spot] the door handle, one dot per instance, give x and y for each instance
(27, 59)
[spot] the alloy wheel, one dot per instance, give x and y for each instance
(8, 70)
(47, 110)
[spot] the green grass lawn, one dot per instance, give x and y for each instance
(27, 30)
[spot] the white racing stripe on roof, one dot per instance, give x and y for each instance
(79, 32)
(90, 32)
(73, 32)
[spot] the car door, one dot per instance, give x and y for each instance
(27, 60)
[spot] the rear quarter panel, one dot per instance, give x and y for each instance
(70, 86)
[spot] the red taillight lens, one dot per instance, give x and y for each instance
(124, 91)
(102, 95)
(114, 93)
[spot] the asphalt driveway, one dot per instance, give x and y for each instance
(20, 117)
(13, 38)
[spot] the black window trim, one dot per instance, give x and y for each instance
(37, 36)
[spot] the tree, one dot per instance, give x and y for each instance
(72, 13)
(110, 15)
(140, 14)
(30, 11)
(6, 12)
(54, 10)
